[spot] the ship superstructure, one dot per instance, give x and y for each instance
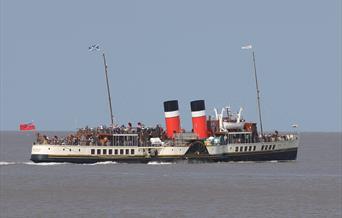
(221, 138)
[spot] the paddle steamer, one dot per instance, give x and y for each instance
(225, 137)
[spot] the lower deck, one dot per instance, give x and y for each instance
(281, 155)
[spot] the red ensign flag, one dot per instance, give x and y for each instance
(27, 126)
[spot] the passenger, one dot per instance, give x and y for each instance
(91, 140)
(55, 140)
(105, 140)
(129, 127)
(75, 140)
(45, 139)
(40, 138)
(139, 127)
(83, 140)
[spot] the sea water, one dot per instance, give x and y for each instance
(308, 187)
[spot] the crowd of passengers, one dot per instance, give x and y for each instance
(276, 137)
(98, 136)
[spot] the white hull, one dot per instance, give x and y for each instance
(68, 153)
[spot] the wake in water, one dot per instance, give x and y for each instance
(4, 163)
(102, 163)
(159, 163)
(45, 164)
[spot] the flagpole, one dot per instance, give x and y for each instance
(258, 93)
(108, 91)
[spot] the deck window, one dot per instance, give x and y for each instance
(273, 147)
(92, 151)
(121, 151)
(246, 148)
(132, 151)
(236, 149)
(116, 151)
(241, 148)
(110, 151)
(254, 148)
(127, 151)
(104, 151)
(262, 148)
(249, 148)
(98, 151)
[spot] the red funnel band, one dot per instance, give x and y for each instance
(199, 124)
(172, 119)
(172, 123)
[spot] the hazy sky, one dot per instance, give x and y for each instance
(165, 50)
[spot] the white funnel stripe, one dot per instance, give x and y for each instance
(198, 113)
(171, 114)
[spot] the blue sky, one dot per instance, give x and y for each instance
(164, 50)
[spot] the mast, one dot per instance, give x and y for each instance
(108, 91)
(96, 47)
(257, 93)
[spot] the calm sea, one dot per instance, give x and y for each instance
(308, 187)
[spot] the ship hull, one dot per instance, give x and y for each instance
(279, 155)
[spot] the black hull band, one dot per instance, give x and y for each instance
(285, 155)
